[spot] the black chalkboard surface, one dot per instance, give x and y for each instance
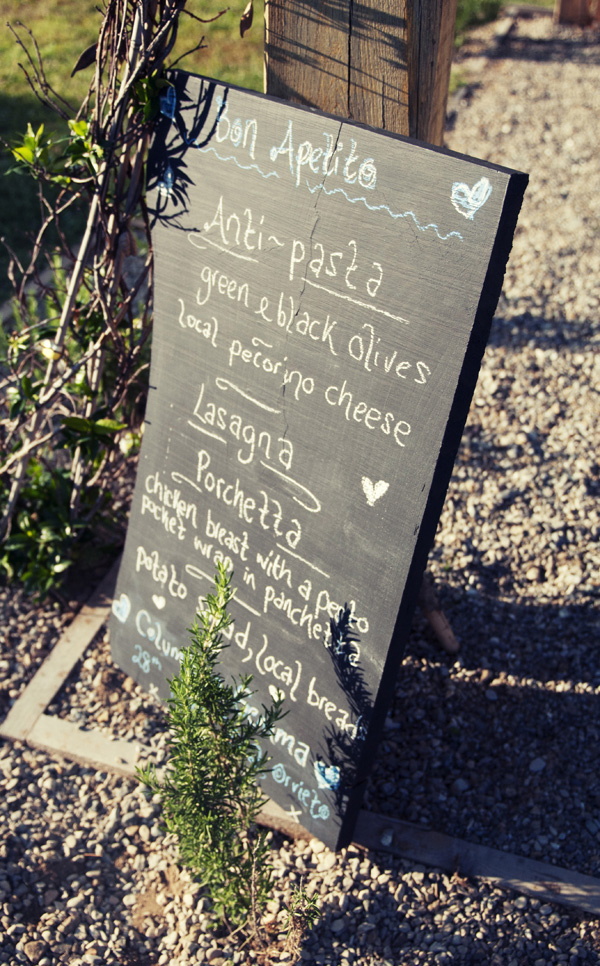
(323, 294)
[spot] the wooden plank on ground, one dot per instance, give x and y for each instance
(58, 736)
(274, 816)
(56, 668)
(539, 879)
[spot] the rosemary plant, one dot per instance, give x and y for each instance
(209, 792)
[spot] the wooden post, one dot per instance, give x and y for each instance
(582, 13)
(431, 36)
(382, 62)
(385, 63)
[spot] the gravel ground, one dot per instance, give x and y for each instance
(499, 746)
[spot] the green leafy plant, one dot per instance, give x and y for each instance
(49, 529)
(209, 793)
(44, 542)
(469, 13)
(37, 551)
(302, 914)
(73, 370)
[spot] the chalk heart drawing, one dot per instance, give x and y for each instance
(374, 491)
(276, 693)
(159, 602)
(468, 201)
(121, 608)
(328, 776)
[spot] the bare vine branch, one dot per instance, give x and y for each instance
(88, 316)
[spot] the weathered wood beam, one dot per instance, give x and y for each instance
(385, 63)
(431, 44)
(62, 659)
(573, 12)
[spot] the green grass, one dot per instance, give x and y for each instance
(472, 12)
(63, 29)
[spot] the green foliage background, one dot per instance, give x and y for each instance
(65, 28)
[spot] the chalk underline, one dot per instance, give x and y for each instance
(362, 305)
(323, 288)
(225, 384)
(221, 248)
(290, 479)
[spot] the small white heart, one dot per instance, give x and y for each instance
(374, 491)
(121, 608)
(158, 602)
(276, 693)
(469, 200)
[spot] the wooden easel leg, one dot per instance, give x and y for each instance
(435, 616)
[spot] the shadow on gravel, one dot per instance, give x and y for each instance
(502, 746)
(430, 918)
(43, 888)
(534, 329)
(531, 328)
(580, 49)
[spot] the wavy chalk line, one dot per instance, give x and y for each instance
(353, 201)
(393, 214)
(244, 167)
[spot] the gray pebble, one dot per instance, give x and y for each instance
(537, 765)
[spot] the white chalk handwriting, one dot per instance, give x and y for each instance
(207, 328)
(241, 133)
(344, 402)
(152, 630)
(159, 499)
(260, 358)
(222, 422)
(343, 264)
(363, 348)
(276, 667)
(330, 160)
(216, 282)
(162, 573)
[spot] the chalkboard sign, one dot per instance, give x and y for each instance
(323, 294)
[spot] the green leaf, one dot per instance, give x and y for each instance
(27, 387)
(79, 128)
(24, 153)
(61, 566)
(108, 426)
(16, 409)
(77, 423)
